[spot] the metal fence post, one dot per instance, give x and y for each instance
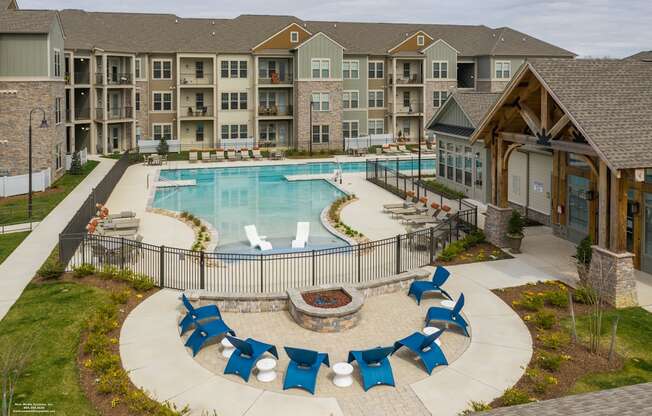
(313, 268)
(432, 245)
(262, 267)
(83, 242)
(398, 254)
(202, 270)
(359, 265)
(122, 253)
(161, 266)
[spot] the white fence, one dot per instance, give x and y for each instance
(151, 146)
(83, 157)
(236, 144)
(18, 185)
(368, 141)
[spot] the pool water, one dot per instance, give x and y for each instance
(232, 197)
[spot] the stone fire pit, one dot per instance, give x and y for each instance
(332, 308)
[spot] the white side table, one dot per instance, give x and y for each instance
(429, 330)
(448, 304)
(266, 371)
(227, 348)
(343, 373)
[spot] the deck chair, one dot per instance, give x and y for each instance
(256, 154)
(205, 157)
(408, 218)
(195, 315)
(192, 157)
(244, 154)
(205, 332)
(387, 149)
(425, 347)
(230, 154)
(403, 149)
(419, 287)
(246, 354)
(374, 366)
(219, 155)
(303, 232)
(256, 240)
(123, 214)
(303, 368)
(449, 316)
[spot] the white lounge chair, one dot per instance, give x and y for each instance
(205, 157)
(256, 240)
(192, 157)
(303, 231)
(256, 154)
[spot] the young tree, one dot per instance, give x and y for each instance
(13, 362)
(163, 147)
(75, 164)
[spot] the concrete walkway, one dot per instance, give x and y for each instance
(19, 268)
(500, 348)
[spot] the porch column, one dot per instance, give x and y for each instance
(618, 214)
(603, 205)
(503, 179)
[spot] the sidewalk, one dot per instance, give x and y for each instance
(19, 268)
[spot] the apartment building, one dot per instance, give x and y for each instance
(280, 80)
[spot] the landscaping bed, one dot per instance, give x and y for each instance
(470, 249)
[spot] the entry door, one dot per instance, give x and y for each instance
(114, 73)
(646, 244)
(282, 134)
(578, 208)
(115, 137)
(114, 104)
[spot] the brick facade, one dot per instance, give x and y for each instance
(495, 225)
(14, 124)
(491, 86)
(333, 117)
(142, 116)
(431, 86)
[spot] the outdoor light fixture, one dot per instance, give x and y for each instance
(43, 125)
(636, 207)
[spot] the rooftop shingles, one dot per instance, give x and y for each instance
(26, 21)
(475, 104)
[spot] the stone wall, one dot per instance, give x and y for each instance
(495, 225)
(531, 214)
(333, 117)
(432, 86)
(613, 275)
(14, 123)
(491, 86)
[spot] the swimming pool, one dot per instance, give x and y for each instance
(231, 197)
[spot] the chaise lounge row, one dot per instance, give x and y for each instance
(220, 155)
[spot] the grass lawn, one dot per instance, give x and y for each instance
(634, 343)
(51, 316)
(13, 210)
(9, 242)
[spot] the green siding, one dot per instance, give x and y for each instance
(24, 55)
(360, 84)
(56, 42)
(319, 46)
(360, 115)
(440, 51)
(454, 116)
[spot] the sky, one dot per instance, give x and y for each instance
(590, 28)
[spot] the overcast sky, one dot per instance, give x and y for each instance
(596, 28)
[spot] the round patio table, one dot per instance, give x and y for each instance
(429, 330)
(227, 348)
(343, 373)
(266, 371)
(448, 304)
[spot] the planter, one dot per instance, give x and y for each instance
(514, 242)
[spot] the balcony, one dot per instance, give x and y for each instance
(274, 78)
(198, 112)
(122, 78)
(275, 111)
(82, 113)
(412, 79)
(409, 108)
(116, 113)
(195, 78)
(82, 77)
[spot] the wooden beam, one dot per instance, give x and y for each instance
(618, 214)
(545, 110)
(564, 146)
(494, 173)
(603, 205)
(638, 225)
(508, 153)
(530, 118)
(554, 191)
(502, 176)
(563, 187)
(593, 204)
(559, 126)
(589, 161)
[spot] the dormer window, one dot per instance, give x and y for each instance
(294, 37)
(421, 40)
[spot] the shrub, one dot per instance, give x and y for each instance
(451, 251)
(556, 298)
(549, 361)
(544, 319)
(196, 221)
(554, 340)
(162, 148)
(584, 295)
(75, 164)
(203, 228)
(51, 269)
(584, 252)
(515, 396)
(515, 224)
(184, 214)
(444, 190)
(120, 296)
(95, 343)
(83, 270)
(141, 283)
(475, 407)
(532, 302)
(108, 272)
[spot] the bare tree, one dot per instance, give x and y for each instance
(13, 362)
(596, 287)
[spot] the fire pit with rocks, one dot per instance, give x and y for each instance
(326, 308)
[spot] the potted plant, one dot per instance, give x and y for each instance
(515, 232)
(583, 256)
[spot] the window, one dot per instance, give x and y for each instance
(321, 68)
(478, 171)
(320, 133)
(225, 101)
(243, 131)
(406, 70)
(439, 98)
(503, 69)
(351, 129)
(294, 37)
(243, 69)
(376, 99)
(58, 157)
(376, 126)
(224, 69)
(199, 101)
(243, 101)
(350, 99)
(268, 132)
(351, 69)
(162, 101)
(137, 101)
(225, 131)
(234, 131)
(406, 128)
(199, 69)
(233, 69)
(458, 164)
(440, 69)
(320, 101)
(267, 99)
(234, 101)
(421, 40)
(406, 98)
(162, 131)
(138, 64)
(376, 69)
(57, 63)
(162, 69)
(57, 110)
(199, 132)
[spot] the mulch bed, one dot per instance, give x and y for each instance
(479, 252)
(327, 299)
(580, 361)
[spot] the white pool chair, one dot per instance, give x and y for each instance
(256, 240)
(303, 231)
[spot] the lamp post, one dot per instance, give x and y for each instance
(310, 132)
(44, 125)
(419, 167)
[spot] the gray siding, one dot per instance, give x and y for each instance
(319, 47)
(484, 67)
(516, 63)
(24, 55)
(56, 42)
(360, 115)
(440, 51)
(454, 116)
(360, 84)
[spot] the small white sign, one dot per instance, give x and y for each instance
(538, 186)
(639, 175)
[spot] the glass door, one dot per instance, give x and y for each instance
(578, 208)
(646, 244)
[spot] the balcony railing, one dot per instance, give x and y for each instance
(205, 111)
(82, 113)
(402, 80)
(116, 113)
(99, 78)
(275, 110)
(192, 78)
(119, 78)
(413, 107)
(275, 78)
(82, 77)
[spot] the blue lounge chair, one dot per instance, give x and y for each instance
(425, 347)
(374, 366)
(195, 315)
(205, 332)
(450, 316)
(246, 354)
(303, 368)
(439, 277)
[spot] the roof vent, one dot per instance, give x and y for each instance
(176, 20)
(523, 39)
(334, 24)
(493, 34)
(502, 39)
(213, 33)
(212, 22)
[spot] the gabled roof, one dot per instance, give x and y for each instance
(27, 21)
(319, 34)
(474, 105)
(8, 4)
(642, 56)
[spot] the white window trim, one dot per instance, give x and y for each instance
(57, 110)
(350, 61)
(171, 69)
(57, 63)
(439, 99)
(154, 125)
(349, 122)
(330, 68)
(321, 133)
(502, 62)
(432, 70)
(421, 40)
(219, 101)
(172, 107)
(376, 63)
(374, 106)
(143, 68)
(321, 94)
(375, 121)
(359, 107)
(294, 37)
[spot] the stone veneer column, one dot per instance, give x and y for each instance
(495, 225)
(613, 275)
